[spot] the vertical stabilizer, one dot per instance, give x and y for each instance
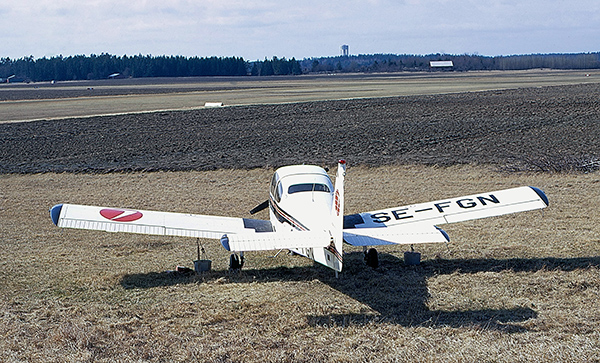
(337, 219)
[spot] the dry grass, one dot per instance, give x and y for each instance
(516, 288)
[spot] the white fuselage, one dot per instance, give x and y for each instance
(301, 198)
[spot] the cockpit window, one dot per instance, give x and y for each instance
(308, 187)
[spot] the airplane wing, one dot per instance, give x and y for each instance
(409, 234)
(416, 222)
(275, 240)
(151, 222)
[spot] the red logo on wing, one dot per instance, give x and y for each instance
(120, 215)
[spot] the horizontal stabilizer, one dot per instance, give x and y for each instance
(407, 234)
(275, 241)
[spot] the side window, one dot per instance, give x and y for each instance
(273, 183)
(278, 192)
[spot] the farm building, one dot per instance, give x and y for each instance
(441, 65)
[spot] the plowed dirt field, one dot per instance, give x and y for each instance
(548, 128)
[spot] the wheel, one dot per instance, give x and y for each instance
(371, 258)
(235, 263)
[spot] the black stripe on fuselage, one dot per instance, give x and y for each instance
(331, 248)
(284, 217)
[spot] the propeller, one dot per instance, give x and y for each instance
(262, 206)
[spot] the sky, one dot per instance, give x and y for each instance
(256, 30)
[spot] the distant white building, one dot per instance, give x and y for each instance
(441, 64)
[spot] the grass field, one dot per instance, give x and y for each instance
(21, 102)
(522, 287)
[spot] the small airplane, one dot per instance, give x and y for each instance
(307, 217)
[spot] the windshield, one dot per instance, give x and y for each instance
(308, 187)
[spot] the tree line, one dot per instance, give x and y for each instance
(463, 62)
(103, 66)
(276, 67)
(81, 67)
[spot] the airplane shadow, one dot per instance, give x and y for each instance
(394, 292)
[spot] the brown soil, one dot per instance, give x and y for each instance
(549, 128)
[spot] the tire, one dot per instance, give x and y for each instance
(235, 264)
(372, 258)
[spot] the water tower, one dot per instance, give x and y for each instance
(345, 50)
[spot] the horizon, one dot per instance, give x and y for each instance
(299, 59)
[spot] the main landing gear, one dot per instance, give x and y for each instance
(236, 263)
(411, 258)
(371, 257)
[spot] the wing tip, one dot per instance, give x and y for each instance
(225, 242)
(541, 194)
(444, 233)
(55, 213)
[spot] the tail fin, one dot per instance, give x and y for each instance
(337, 218)
(337, 209)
